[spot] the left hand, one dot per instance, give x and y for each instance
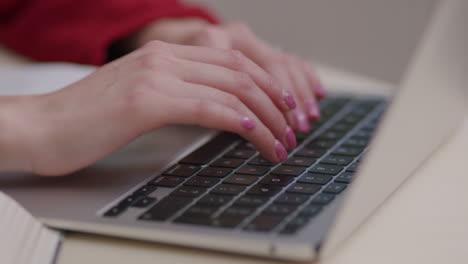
(292, 73)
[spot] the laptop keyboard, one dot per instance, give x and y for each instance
(227, 184)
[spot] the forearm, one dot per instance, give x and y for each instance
(13, 154)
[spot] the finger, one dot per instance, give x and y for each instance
(202, 112)
(313, 79)
(237, 61)
(303, 89)
(240, 85)
(296, 118)
(212, 36)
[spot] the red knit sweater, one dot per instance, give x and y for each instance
(80, 30)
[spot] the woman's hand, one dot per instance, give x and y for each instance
(293, 74)
(158, 85)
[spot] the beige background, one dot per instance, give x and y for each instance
(371, 37)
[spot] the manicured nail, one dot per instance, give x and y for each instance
(289, 100)
(302, 122)
(281, 153)
(290, 138)
(321, 92)
(248, 123)
(313, 110)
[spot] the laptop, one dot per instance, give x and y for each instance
(207, 189)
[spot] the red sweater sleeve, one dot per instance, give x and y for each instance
(80, 30)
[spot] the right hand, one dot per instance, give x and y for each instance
(158, 85)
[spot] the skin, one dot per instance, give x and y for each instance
(220, 77)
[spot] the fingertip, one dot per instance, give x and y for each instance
(280, 151)
(247, 123)
(313, 110)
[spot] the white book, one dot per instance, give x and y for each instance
(23, 238)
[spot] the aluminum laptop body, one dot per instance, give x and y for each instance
(421, 116)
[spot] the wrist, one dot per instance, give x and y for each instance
(13, 138)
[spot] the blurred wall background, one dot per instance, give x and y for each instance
(375, 38)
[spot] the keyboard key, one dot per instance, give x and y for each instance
(251, 201)
(215, 172)
(214, 200)
(166, 208)
(299, 161)
(288, 170)
(145, 190)
(210, 150)
(261, 162)
(303, 188)
(310, 210)
(198, 181)
(240, 154)
(253, 170)
(344, 177)
(341, 127)
(167, 181)
(279, 209)
(241, 179)
(356, 142)
(129, 200)
(362, 134)
(227, 163)
(337, 160)
(198, 215)
(264, 223)
(188, 191)
(330, 135)
(300, 221)
(182, 170)
(292, 198)
(232, 216)
(335, 188)
(245, 145)
(144, 202)
(323, 199)
(347, 151)
(228, 189)
(315, 178)
(311, 153)
(115, 211)
(264, 190)
(321, 144)
(353, 167)
(280, 180)
(352, 119)
(326, 169)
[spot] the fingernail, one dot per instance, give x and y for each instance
(321, 92)
(290, 138)
(289, 100)
(314, 111)
(302, 122)
(248, 123)
(281, 153)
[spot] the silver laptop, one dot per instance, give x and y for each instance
(193, 187)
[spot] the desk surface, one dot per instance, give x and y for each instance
(424, 222)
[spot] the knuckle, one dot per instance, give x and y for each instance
(236, 59)
(155, 45)
(245, 83)
(241, 28)
(155, 60)
(232, 101)
(201, 109)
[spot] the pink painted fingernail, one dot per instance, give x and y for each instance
(281, 153)
(248, 123)
(289, 100)
(321, 92)
(302, 122)
(313, 109)
(290, 138)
